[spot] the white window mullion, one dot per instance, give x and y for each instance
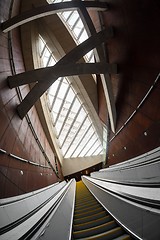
(81, 139)
(75, 117)
(59, 85)
(75, 135)
(91, 146)
(85, 146)
(62, 104)
(94, 150)
(67, 115)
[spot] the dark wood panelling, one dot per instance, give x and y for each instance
(102, 107)
(15, 134)
(135, 48)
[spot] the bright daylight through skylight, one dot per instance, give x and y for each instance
(74, 129)
(74, 24)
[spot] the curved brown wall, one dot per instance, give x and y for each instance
(136, 49)
(16, 136)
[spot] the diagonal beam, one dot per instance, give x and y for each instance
(60, 71)
(50, 9)
(47, 10)
(73, 56)
(100, 57)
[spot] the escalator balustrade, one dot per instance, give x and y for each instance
(91, 220)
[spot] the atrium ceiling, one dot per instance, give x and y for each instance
(124, 36)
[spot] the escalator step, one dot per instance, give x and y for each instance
(95, 230)
(79, 205)
(88, 197)
(109, 235)
(86, 208)
(123, 237)
(93, 223)
(89, 212)
(84, 200)
(90, 218)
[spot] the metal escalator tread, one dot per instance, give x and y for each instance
(90, 218)
(123, 237)
(95, 230)
(92, 221)
(86, 208)
(90, 212)
(109, 235)
(83, 203)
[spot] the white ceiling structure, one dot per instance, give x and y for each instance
(75, 130)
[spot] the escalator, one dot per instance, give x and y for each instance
(91, 220)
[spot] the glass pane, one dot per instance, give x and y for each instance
(76, 106)
(73, 126)
(54, 115)
(94, 147)
(83, 37)
(62, 90)
(51, 62)
(73, 18)
(57, 104)
(41, 45)
(78, 28)
(70, 97)
(83, 143)
(53, 89)
(45, 56)
(51, 98)
(66, 14)
(99, 150)
(92, 60)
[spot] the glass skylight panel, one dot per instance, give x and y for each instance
(58, 125)
(99, 150)
(77, 136)
(69, 97)
(57, 104)
(50, 100)
(45, 56)
(51, 62)
(73, 19)
(74, 23)
(78, 133)
(41, 46)
(94, 146)
(51, 94)
(66, 14)
(78, 28)
(84, 141)
(85, 148)
(62, 90)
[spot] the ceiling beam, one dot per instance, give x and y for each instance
(47, 10)
(60, 71)
(100, 57)
(50, 9)
(73, 56)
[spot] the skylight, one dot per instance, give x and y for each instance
(74, 128)
(75, 26)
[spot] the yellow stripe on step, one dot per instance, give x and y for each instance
(105, 234)
(89, 222)
(94, 228)
(89, 212)
(94, 215)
